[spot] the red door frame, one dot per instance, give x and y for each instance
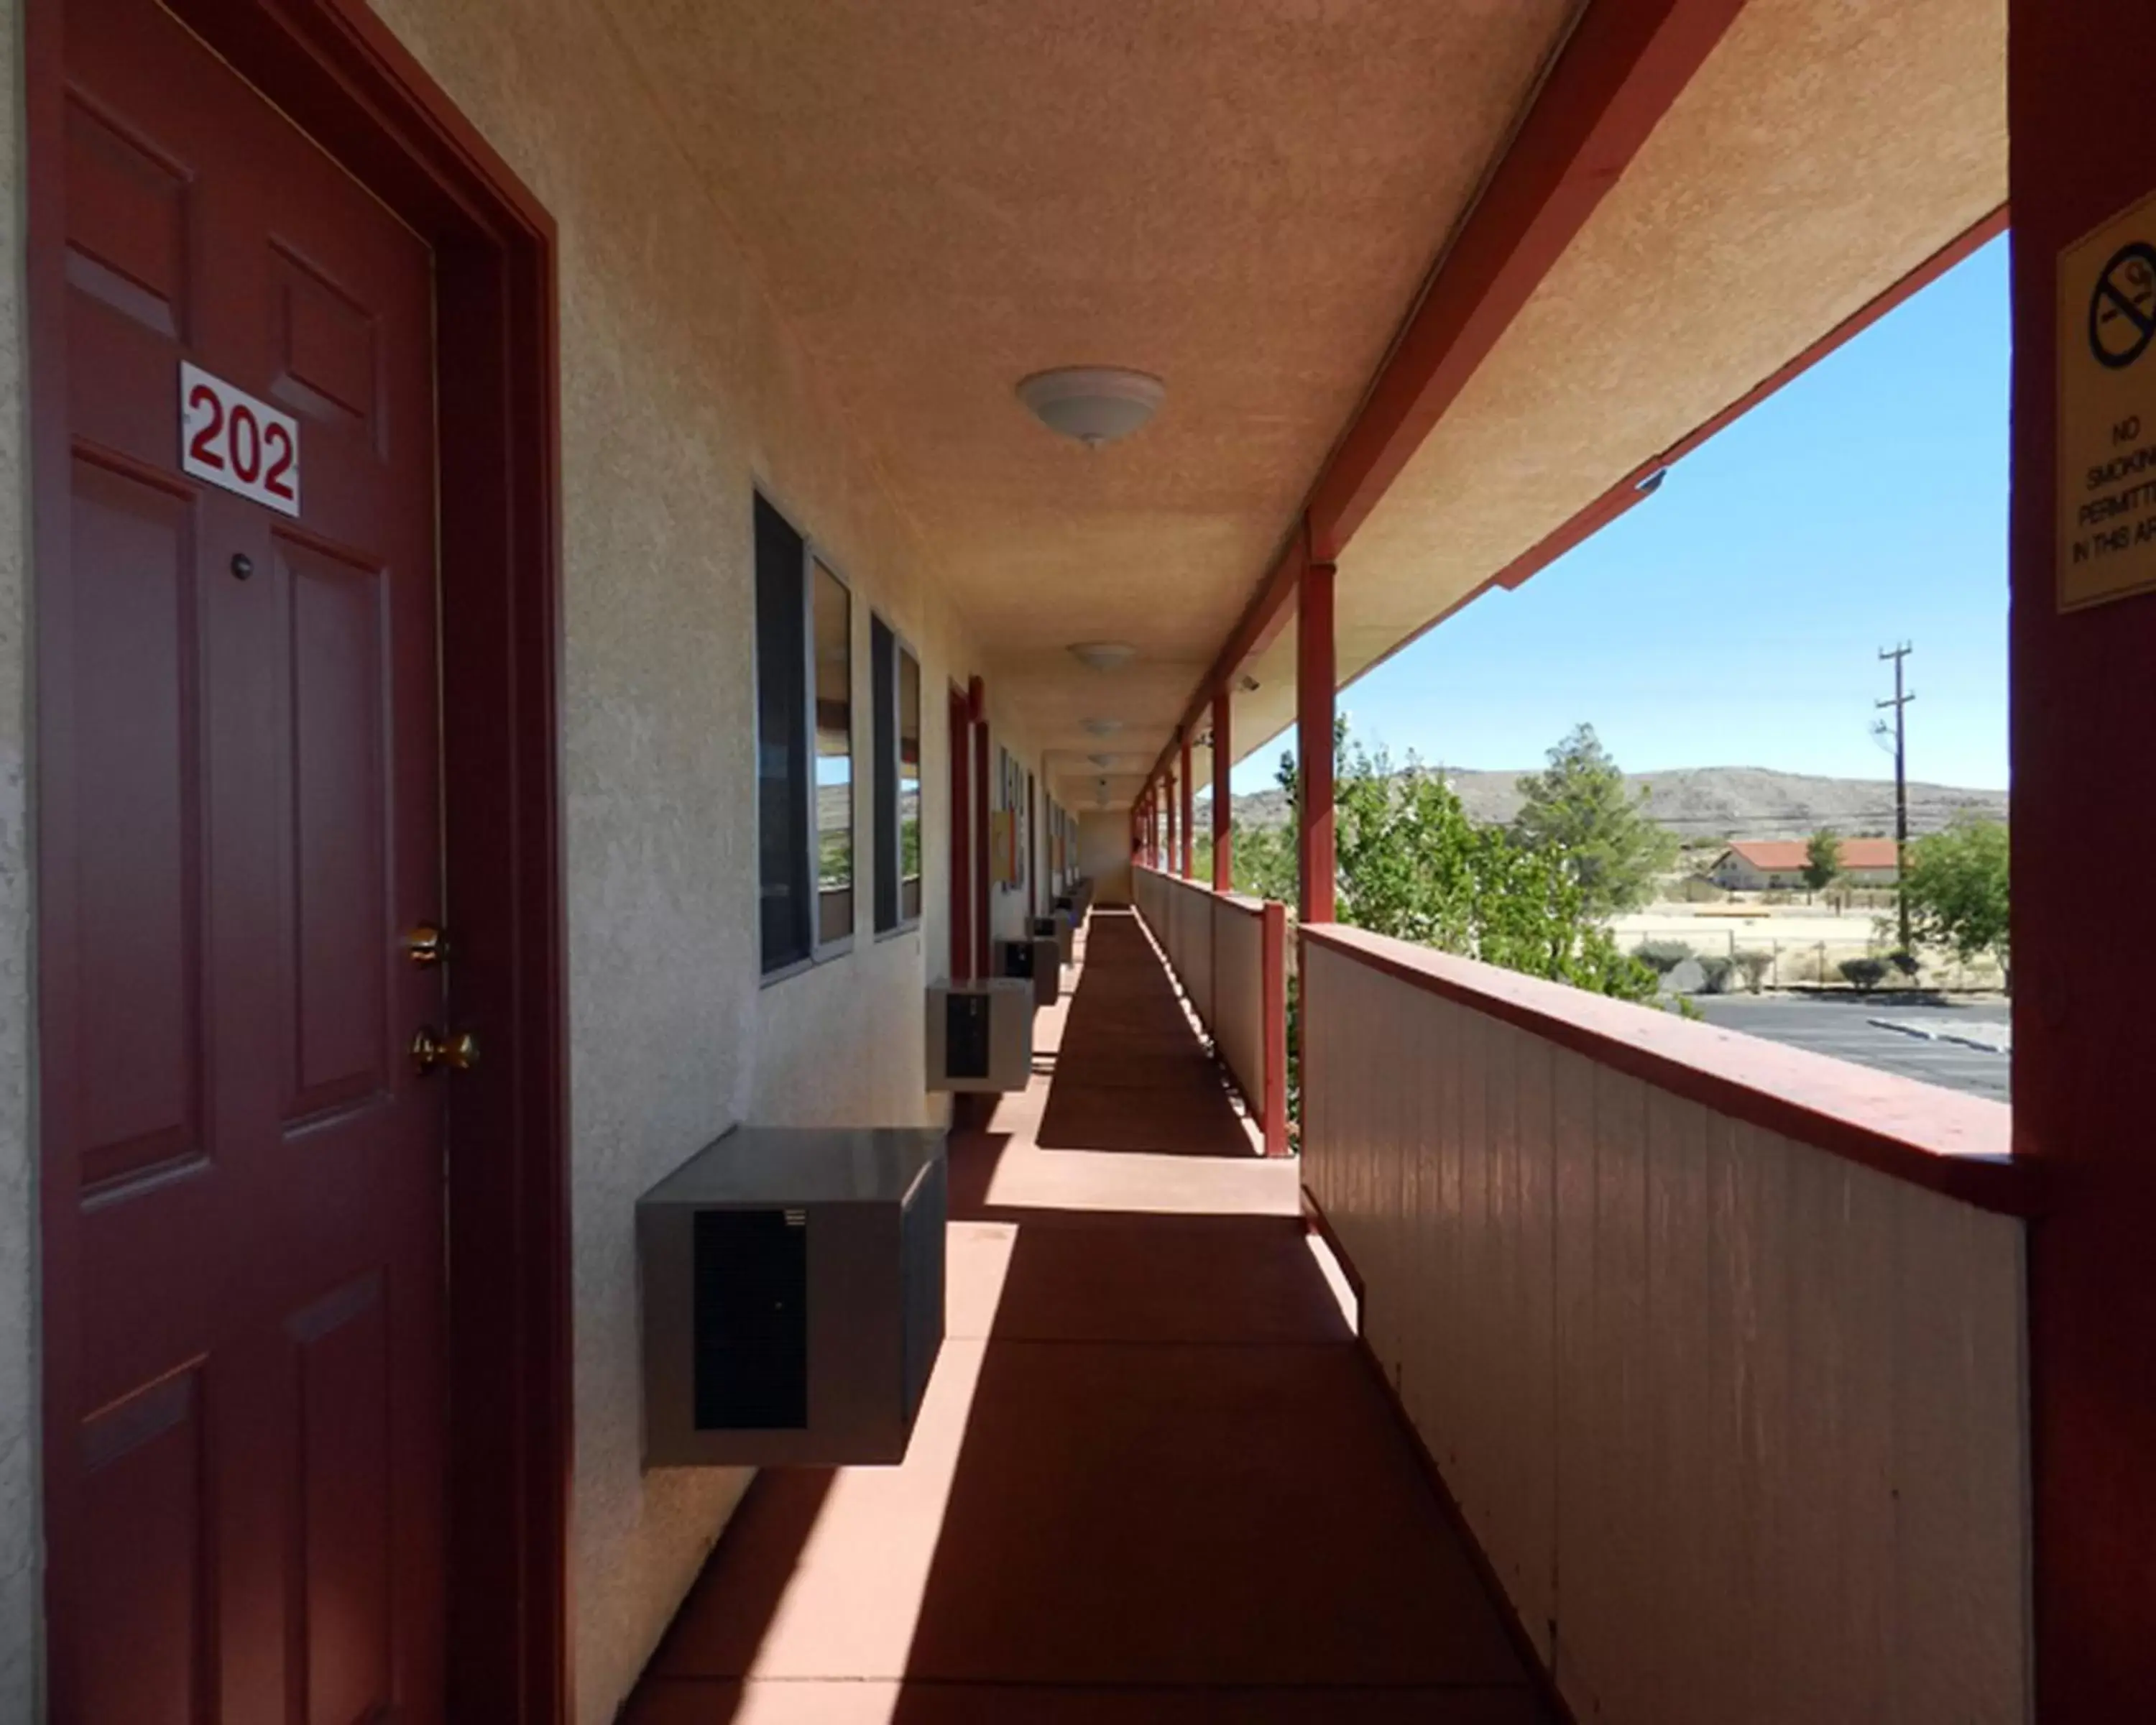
(961, 846)
(362, 98)
(977, 704)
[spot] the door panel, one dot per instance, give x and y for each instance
(144, 1652)
(339, 1013)
(248, 757)
(138, 869)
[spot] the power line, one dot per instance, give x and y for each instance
(1900, 703)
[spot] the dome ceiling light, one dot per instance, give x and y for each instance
(1101, 760)
(1093, 404)
(1101, 727)
(1103, 655)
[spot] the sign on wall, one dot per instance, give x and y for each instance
(2106, 353)
(230, 438)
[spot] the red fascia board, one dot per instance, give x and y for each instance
(1948, 1142)
(1615, 78)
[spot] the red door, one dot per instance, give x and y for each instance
(961, 844)
(240, 783)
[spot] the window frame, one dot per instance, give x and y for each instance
(814, 553)
(901, 649)
(821, 951)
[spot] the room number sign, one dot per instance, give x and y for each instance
(230, 438)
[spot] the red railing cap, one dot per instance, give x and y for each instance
(1944, 1140)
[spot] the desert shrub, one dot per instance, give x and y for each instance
(1906, 962)
(1716, 971)
(1697, 890)
(1661, 956)
(1864, 974)
(1755, 965)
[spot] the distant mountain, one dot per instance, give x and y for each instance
(1705, 804)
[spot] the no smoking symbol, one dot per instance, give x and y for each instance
(2122, 311)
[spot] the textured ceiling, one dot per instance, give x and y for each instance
(1241, 196)
(1825, 150)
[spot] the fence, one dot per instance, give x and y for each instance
(1800, 962)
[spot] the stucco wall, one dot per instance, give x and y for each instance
(18, 1379)
(682, 391)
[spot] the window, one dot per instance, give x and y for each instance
(909, 787)
(804, 669)
(895, 681)
(833, 618)
(782, 742)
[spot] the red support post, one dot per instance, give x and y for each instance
(1167, 797)
(1189, 868)
(1272, 997)
(976, 696)
(2081, 705)
(1315, 683)
(1224, 873)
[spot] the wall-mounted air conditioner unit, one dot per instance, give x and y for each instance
(793, 1290)
(1062, 928)
(980, 1034)
(1039, 960)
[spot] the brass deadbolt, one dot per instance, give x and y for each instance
(426, 945)
(457, 1050)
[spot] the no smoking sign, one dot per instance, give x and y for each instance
(2107, 353)
(2123, 309)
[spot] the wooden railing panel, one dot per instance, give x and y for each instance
(1239, 1030)
(1738, 1420)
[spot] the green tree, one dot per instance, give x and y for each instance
(1579, 806)
(1955, 886)
(1263, 862)
(1413, 864)
(1822, 859)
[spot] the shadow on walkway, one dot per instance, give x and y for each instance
(1132, 1073)
(1154, 1479)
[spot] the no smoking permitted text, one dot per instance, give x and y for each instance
(2107, 507)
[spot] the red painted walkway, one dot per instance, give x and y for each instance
(1154, 1479)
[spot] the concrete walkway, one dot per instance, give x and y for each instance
(1154, 1479)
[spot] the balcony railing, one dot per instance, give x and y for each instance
(1718, 1346)
(1229, 952)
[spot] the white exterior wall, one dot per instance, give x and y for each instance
(682, 391)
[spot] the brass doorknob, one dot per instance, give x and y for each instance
(457, 1050)
(426, 945)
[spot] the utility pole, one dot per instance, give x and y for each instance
(1900, 704)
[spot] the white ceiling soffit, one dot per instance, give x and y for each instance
(947, 196)
(1822, 152)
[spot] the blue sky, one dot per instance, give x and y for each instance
(1733, 618)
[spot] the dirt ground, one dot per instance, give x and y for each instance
(1807, 943)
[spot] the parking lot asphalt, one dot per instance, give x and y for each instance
(1841, 1025)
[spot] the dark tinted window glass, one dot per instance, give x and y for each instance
(883, 691)
(909, 785)
(835, 758)
(782, 729)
